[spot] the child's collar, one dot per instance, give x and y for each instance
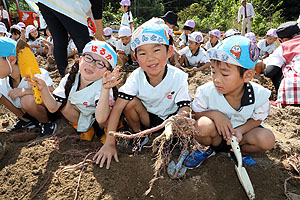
(196, 53)
(166, 70)
(248, 96)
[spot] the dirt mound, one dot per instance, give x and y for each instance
(32, 168)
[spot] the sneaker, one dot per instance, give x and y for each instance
(247, 160)
(21, 124)
(47, 128)
(197, 157)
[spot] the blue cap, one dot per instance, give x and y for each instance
(7, 47)
(102, 49)
(236, 50)
(149, 33)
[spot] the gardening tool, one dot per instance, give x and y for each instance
(241, 171)
(177, 170)
(28, 66)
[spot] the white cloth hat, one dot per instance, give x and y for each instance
(3, 29)
(29, 29)
(107, 31)
(124, 31)
(196, 37)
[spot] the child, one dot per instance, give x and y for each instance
(193, 55)
(15, 31)
(267, 46)
(231, 105)
(251, 36)
(188, 28)
(123, 46)
(78, 92)
(109, 38)
(3, 31)
(152, 93)
(23, 30)
(170, 19)
(17, 96)
(49, 42)
(34, 41)
(127, 19)
(214, 37)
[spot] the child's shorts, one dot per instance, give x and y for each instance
(154, 121)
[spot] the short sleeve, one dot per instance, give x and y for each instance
(261, 112)
(130, 20)
(276, 58)
(260, 44)
(131, 84)
(199, 104)
(46, 77)
(204, 58)
(183, 97)
(60, 90)
(118, 45)
(183, 51)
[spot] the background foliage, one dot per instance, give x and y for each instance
(208, 14)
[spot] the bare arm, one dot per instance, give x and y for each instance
(249, 125)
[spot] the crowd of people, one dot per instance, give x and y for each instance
(88, 97)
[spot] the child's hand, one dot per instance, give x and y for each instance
(16, 92)
(109, 79)
(223, 125)
(237, 134)
(106, 152)
(39, 81)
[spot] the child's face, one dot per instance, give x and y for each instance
(226, 77)
(15, 36)
(187, 32)
(171, 26)
(271, 39)
(88, 69)
(107, 37)
(5, 70)
(125, 40)
(213, 39)
(2, 34)
(124, 8)
(34, 33)
(193, 45)
(152, 58)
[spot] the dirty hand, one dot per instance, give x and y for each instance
(106, 152)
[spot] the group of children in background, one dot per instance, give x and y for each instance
(229, 105)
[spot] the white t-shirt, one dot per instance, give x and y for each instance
(262, 45)
(254, 104)
(276, 58)
(183, 40)
(199, 57)
(121, 46)
(162, 100)
(112, 41)
(5, 86)
(208, 45)
(127, 19)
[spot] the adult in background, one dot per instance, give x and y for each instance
(4, 17)
(63, 17)
(247, 11)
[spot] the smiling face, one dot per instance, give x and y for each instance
(89, 71)
(226, 77)
(152, 58)
(34, 33)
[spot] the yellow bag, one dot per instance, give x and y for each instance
(28, 66)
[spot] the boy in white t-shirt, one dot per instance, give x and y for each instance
(152, 93)
(193, 55)
(231, 105)
(107, 32)
(17, 96)
(188, 28)
(267, 45)
(214, 37)
(123, 46)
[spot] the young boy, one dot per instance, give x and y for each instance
(109, 38)
(17, 96)
(231, 104)
(152, 93)
(188, 28)
(214, 37)
(267, 46)
(123, 45)
(193, 55)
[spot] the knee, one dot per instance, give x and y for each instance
(130, 106)
(206, 127)
(266, 140)
(27, 101)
